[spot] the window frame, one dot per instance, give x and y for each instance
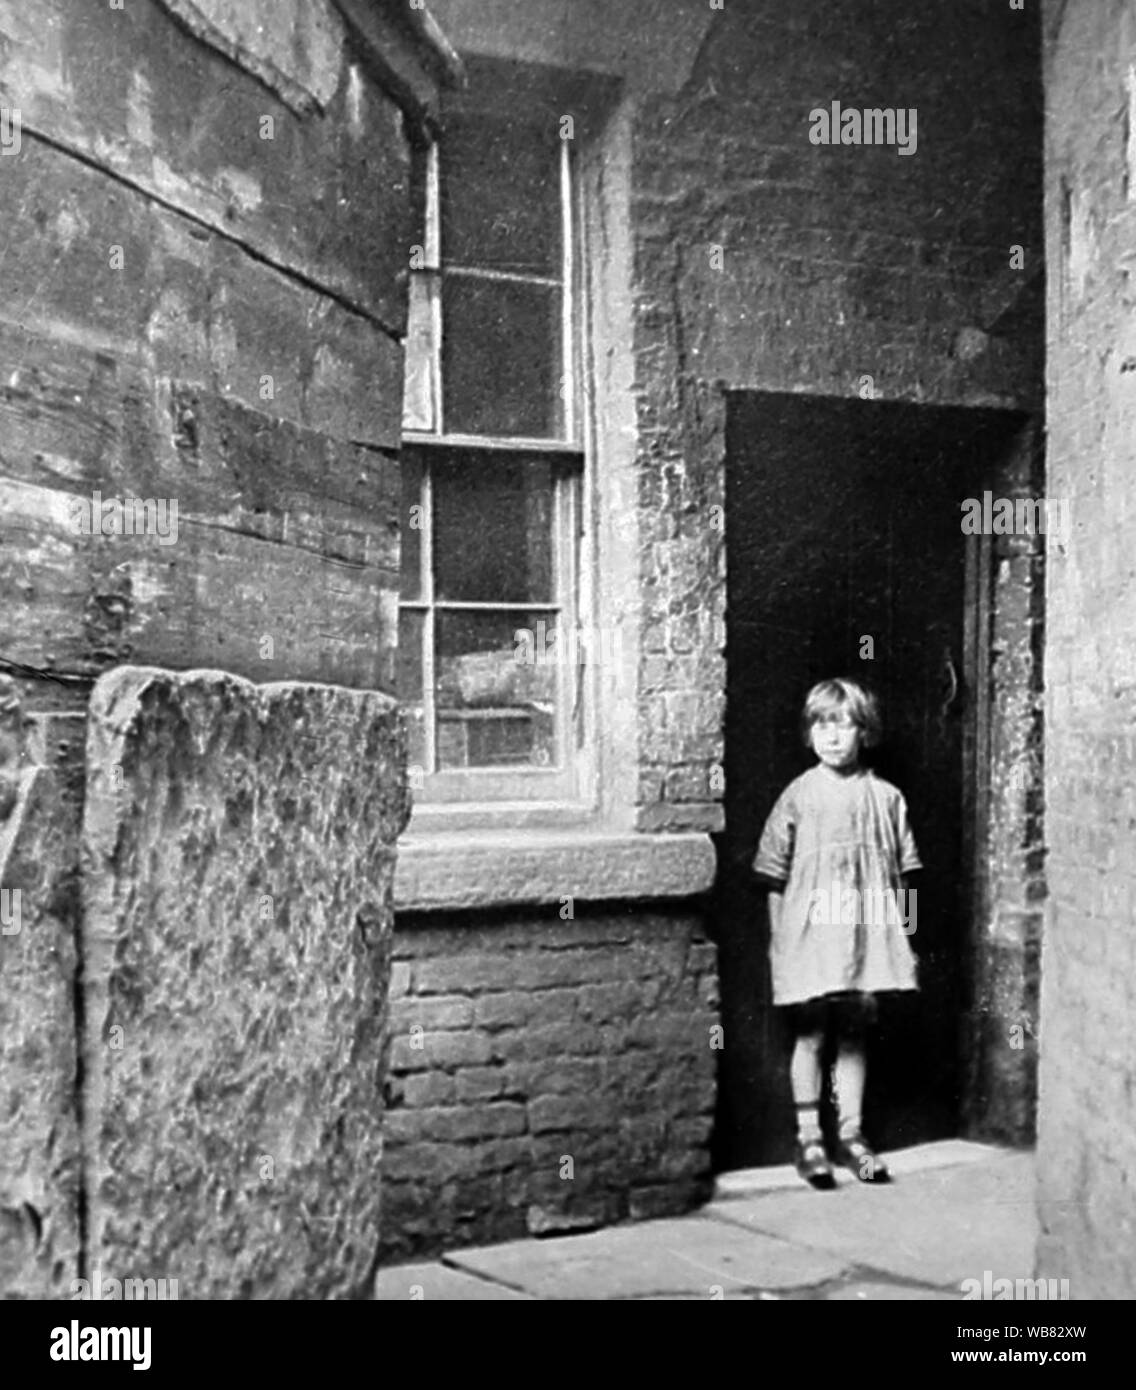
(526, 793)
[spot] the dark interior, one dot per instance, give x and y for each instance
(843, 524)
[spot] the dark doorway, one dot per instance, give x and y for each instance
(846, 557)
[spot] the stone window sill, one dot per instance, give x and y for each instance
(500, 868)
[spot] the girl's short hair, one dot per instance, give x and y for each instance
(827, 697)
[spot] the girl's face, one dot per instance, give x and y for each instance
(836, 741)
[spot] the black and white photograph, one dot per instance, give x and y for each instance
(568, 664)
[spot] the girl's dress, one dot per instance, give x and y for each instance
(839, 843)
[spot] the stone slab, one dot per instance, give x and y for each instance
(684, 1256)
(411, 1283)
(938, 1226)
(879, 1293)
(41, 789)
(750, 1182)
(504, 868)
(237, 854)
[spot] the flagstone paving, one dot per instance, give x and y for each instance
(954, 1211)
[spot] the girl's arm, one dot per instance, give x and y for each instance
(776, 898)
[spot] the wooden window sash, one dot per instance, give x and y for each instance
(528, 785)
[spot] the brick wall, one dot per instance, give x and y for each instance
(763, 261)
(520, 1043)
(1086, 1122)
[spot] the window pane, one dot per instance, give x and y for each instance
(420, 155)
(501, 196)
(411, 631)
(493, 540)
(501, 358)
(419, 408)
(496, 693)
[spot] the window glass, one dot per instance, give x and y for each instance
(493, 540)
(501, 196)
(496, 697)
(501, 352)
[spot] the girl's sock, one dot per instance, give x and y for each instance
(808, 1122)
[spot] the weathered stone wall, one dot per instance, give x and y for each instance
(1087, 1084)
(206, 209)
(205, 297)
(238, 856)
(546, 1074)
(40, 812)
(1009, 807)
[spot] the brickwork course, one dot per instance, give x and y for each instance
(548, 1075)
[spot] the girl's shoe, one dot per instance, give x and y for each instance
(853, 1152)
(813, 1165)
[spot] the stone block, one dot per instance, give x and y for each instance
(420, 1051)
(441, 1012)
(456, 1124)
(569, 1113)
(237, 857)
(555, 1076)
(430, 1088)
(480, 1083)
(426, 1163)
(505, 1010)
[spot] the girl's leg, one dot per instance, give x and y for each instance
(849, 1071)
(805, 1076)
(848, 1079)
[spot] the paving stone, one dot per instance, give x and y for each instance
(747, 1182)
(409, 1283)
(908, 1293)
(939, 1226)
(688, 1255)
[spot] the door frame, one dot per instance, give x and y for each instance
(996, 435)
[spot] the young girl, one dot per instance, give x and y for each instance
(835, 849)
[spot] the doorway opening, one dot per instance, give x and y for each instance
(847, 556)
